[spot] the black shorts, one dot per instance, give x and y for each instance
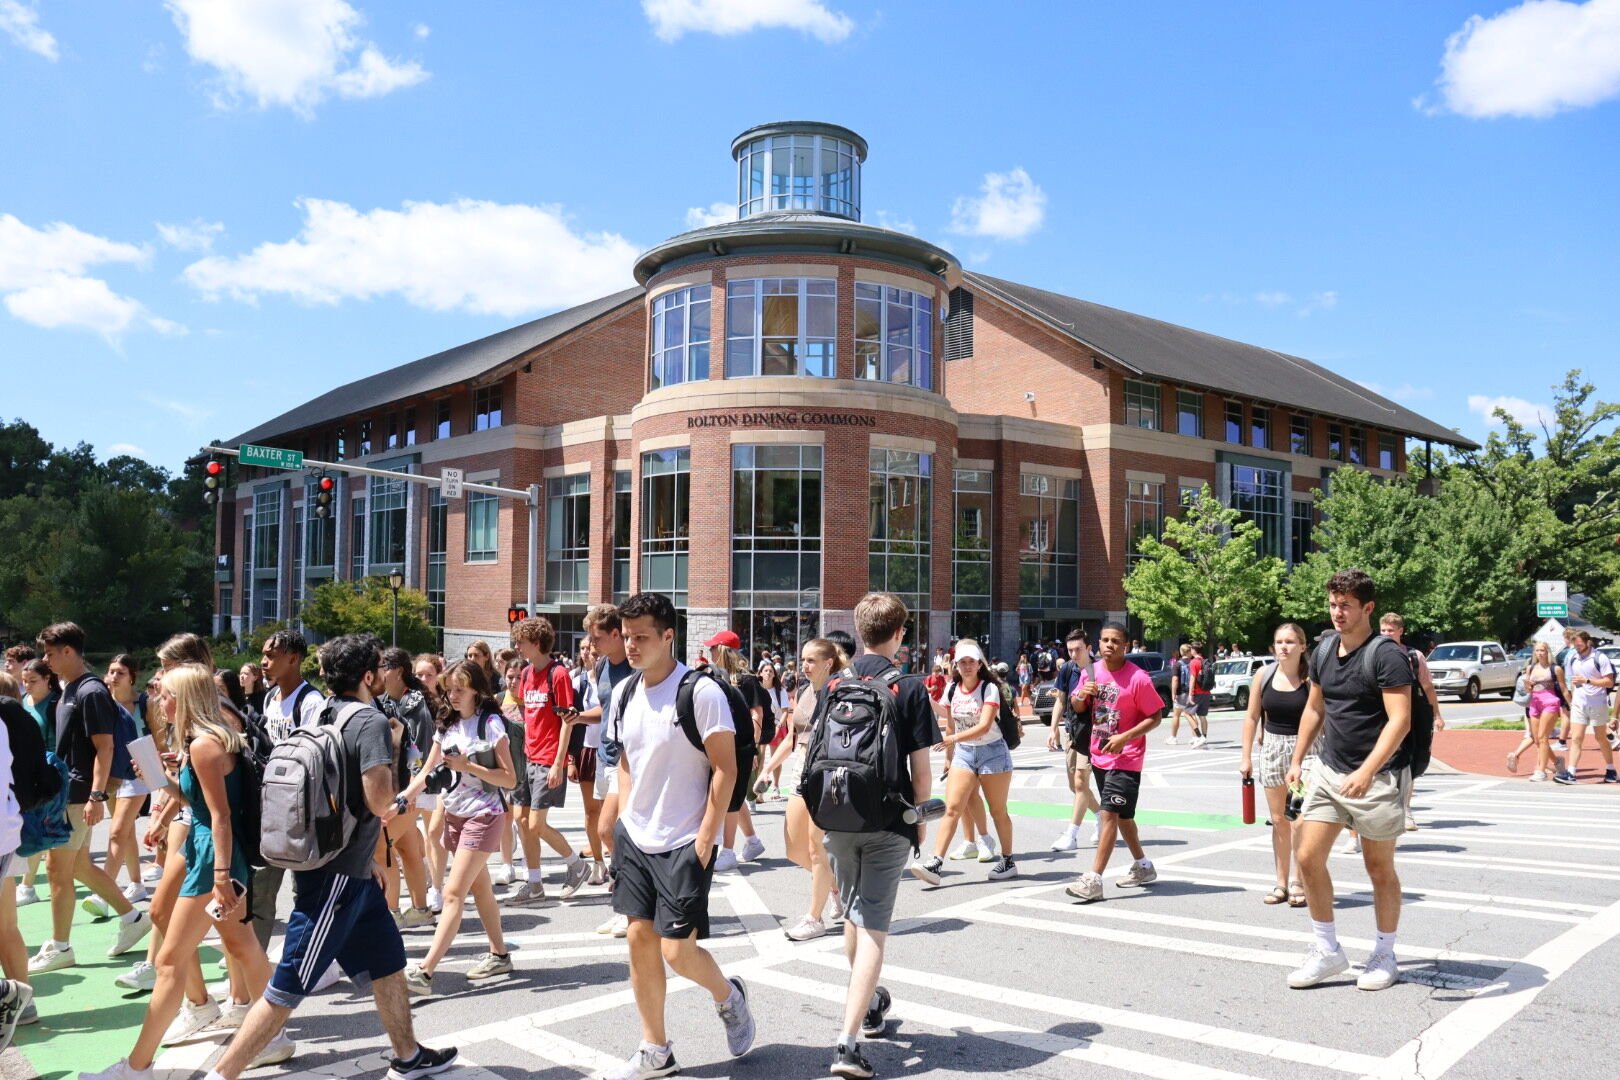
(1117, 790)
(669, 887)
(1200, 705)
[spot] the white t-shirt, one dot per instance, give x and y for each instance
(278, 719)
(471, 797)
(586, 700)
(965, 710)
(669, 777)
(1594, 665)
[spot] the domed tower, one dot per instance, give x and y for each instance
(793, 447)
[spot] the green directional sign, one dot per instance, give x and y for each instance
(270, 457)
(1552, 611)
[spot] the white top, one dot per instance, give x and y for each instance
(1594, 665)
(10, 809)
(471, 797)
(965, 710)
(589, 700)
(669, 777)
(278, 719)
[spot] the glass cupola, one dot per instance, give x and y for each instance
(799, 167)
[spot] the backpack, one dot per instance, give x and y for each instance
(1414, 751)
(307, 811)
(125, 731)
(487, 758)
(249, 817)
(767, 721)
(742, 720)
(1206, 673)
(1007, 718)
(31, 781)
(46, 825)
(854, 762)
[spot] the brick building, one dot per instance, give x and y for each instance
(790, 409)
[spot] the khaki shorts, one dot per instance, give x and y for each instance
(1380, 814)
(81, 832)
(1079, 765)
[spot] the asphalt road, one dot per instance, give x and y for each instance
(1506, 948)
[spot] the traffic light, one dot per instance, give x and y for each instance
(214, 469)
(323, 496)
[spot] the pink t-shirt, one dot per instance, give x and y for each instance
(1123, 699)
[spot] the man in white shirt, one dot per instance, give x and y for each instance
(291, 703)
(1590, 676)
(673, 800)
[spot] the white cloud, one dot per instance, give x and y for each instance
(293, 53)
(20, 22)
(885, 220)
(43, 280)
(131, 449)
(1528, 413)
(716, 213)
(1537, 59)
(1273, 298)
(195, 235)
(1326, 300)
(184, 410)
(474, 256)
(1010, 206)
(421, 31)
(672, 18)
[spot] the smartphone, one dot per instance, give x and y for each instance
(452, 751)
(213, 907)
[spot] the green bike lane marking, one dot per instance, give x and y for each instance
(86, 1021)
(1185, 818)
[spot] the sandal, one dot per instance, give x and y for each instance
(1513, 762)
(1276, 896)
(1296, 894)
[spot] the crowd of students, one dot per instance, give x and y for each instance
(453, 769)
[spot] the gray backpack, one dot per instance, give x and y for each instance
(308, 817)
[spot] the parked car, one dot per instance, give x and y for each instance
(1155, 665)
(1042, 694)
(1522, 656)
(1471, 668)
(1232, 678)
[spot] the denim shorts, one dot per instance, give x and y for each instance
(985, 759)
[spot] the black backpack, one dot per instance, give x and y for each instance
(1415, 748)
(249, 817)
(685, 715)
(853, 766)
(1206, 673)
(32, 780)
(1007, 719)
(767, 724)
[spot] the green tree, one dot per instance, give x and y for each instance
(1205, 577)
(339, 607)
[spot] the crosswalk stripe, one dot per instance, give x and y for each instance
(560, 1051)
(1264, 883)
(1541, 867)
(1363, 885)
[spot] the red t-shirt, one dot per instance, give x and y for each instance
(1194, 666)
(542, 692)
(936, 685)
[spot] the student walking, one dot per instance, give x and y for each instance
(1277, 697)
(1541, 677)
(806, 843)
(1590, 676)
(725, 649)
(1076, 731)
(546, 695)
(606, 633)
(403, 855)
(674, 799)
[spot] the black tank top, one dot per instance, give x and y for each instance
(1283, 708)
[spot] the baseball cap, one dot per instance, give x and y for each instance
(966, 648)
(726, 638)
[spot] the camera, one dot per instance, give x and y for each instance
(1296, 802)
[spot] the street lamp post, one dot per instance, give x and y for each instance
(396, 581)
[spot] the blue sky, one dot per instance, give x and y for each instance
(211, 210)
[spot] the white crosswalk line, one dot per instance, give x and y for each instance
(1262, 883)
(1363, 885)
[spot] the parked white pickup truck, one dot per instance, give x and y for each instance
(1470, 668)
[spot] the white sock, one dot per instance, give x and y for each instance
(1327, 935)
(1144, 862)
(130, 916)
(849, 1042)
(1383, 942)
(212, 1075)
(1073, 831)
(62, 946)
(534, 877)
(661, 1050)
(571, 859)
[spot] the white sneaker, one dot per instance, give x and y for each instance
(598, 874)
(412, 917)
(1538, 777)
(26, 894)
(131, 932)
(143, 976)
(418, 981)
(726, 860)
(1379, 973)
(151, 873)
(191, 1021)
(435, 900)
(618, 926)
(1087, 888)
(120, 1071)
(136, 893)
(1095, 836)
(752, 849)
(966, 850)
(806, 929)
(989, 850)
(1172, 741)
(1140, 873)
(50, 958)
(1319, 964)
(1411, 823)
(231, 1015)
(276, 1051)
(1352, 844)
(97, 907)
(1199, 740)
(647, 1063)
(501, 873)
(1068, 840)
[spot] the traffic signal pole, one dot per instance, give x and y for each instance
(530, 498)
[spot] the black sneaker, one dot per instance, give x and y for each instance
(877, 1018)
(847, 1061)
(427, 1062)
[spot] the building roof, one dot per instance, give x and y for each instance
(463, 363)
(1162, 350)
(789, 231)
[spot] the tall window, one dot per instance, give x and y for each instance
(483, 527)
(441, 422)
(387, 522)
(1259, 494)
(1234, 422)
(320, 542)
(1190, 413)
(1386, 450)
(806, 172)
(775, 545)
(438, 537)
(357, 537)
(393, 431)
(487, 407)
(365, 437)
(666, 491)
(900, 516)
(680, 336)
(1142, 404)
(894, 335)
(1144, 517)
(267, 529)
(298, 562)
(1304, 522)
(1048, 541)
(410, 427)
(1335, 442)
(1299, 435)
(568, 538)
(1358, 446)
(342, 443)
(1260, 427)
(622, 496)
(781, 326)
(973, 546)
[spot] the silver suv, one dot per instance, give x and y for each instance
(1470, 668)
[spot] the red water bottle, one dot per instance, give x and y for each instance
(1248, 800)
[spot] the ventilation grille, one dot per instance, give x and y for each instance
(959, 326)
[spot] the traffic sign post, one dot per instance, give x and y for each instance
(1552, 600)
(450, 481)
(269, 457)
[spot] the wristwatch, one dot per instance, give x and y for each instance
(399, 804)
(98, 796)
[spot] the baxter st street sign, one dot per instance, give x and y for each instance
(270, 457)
